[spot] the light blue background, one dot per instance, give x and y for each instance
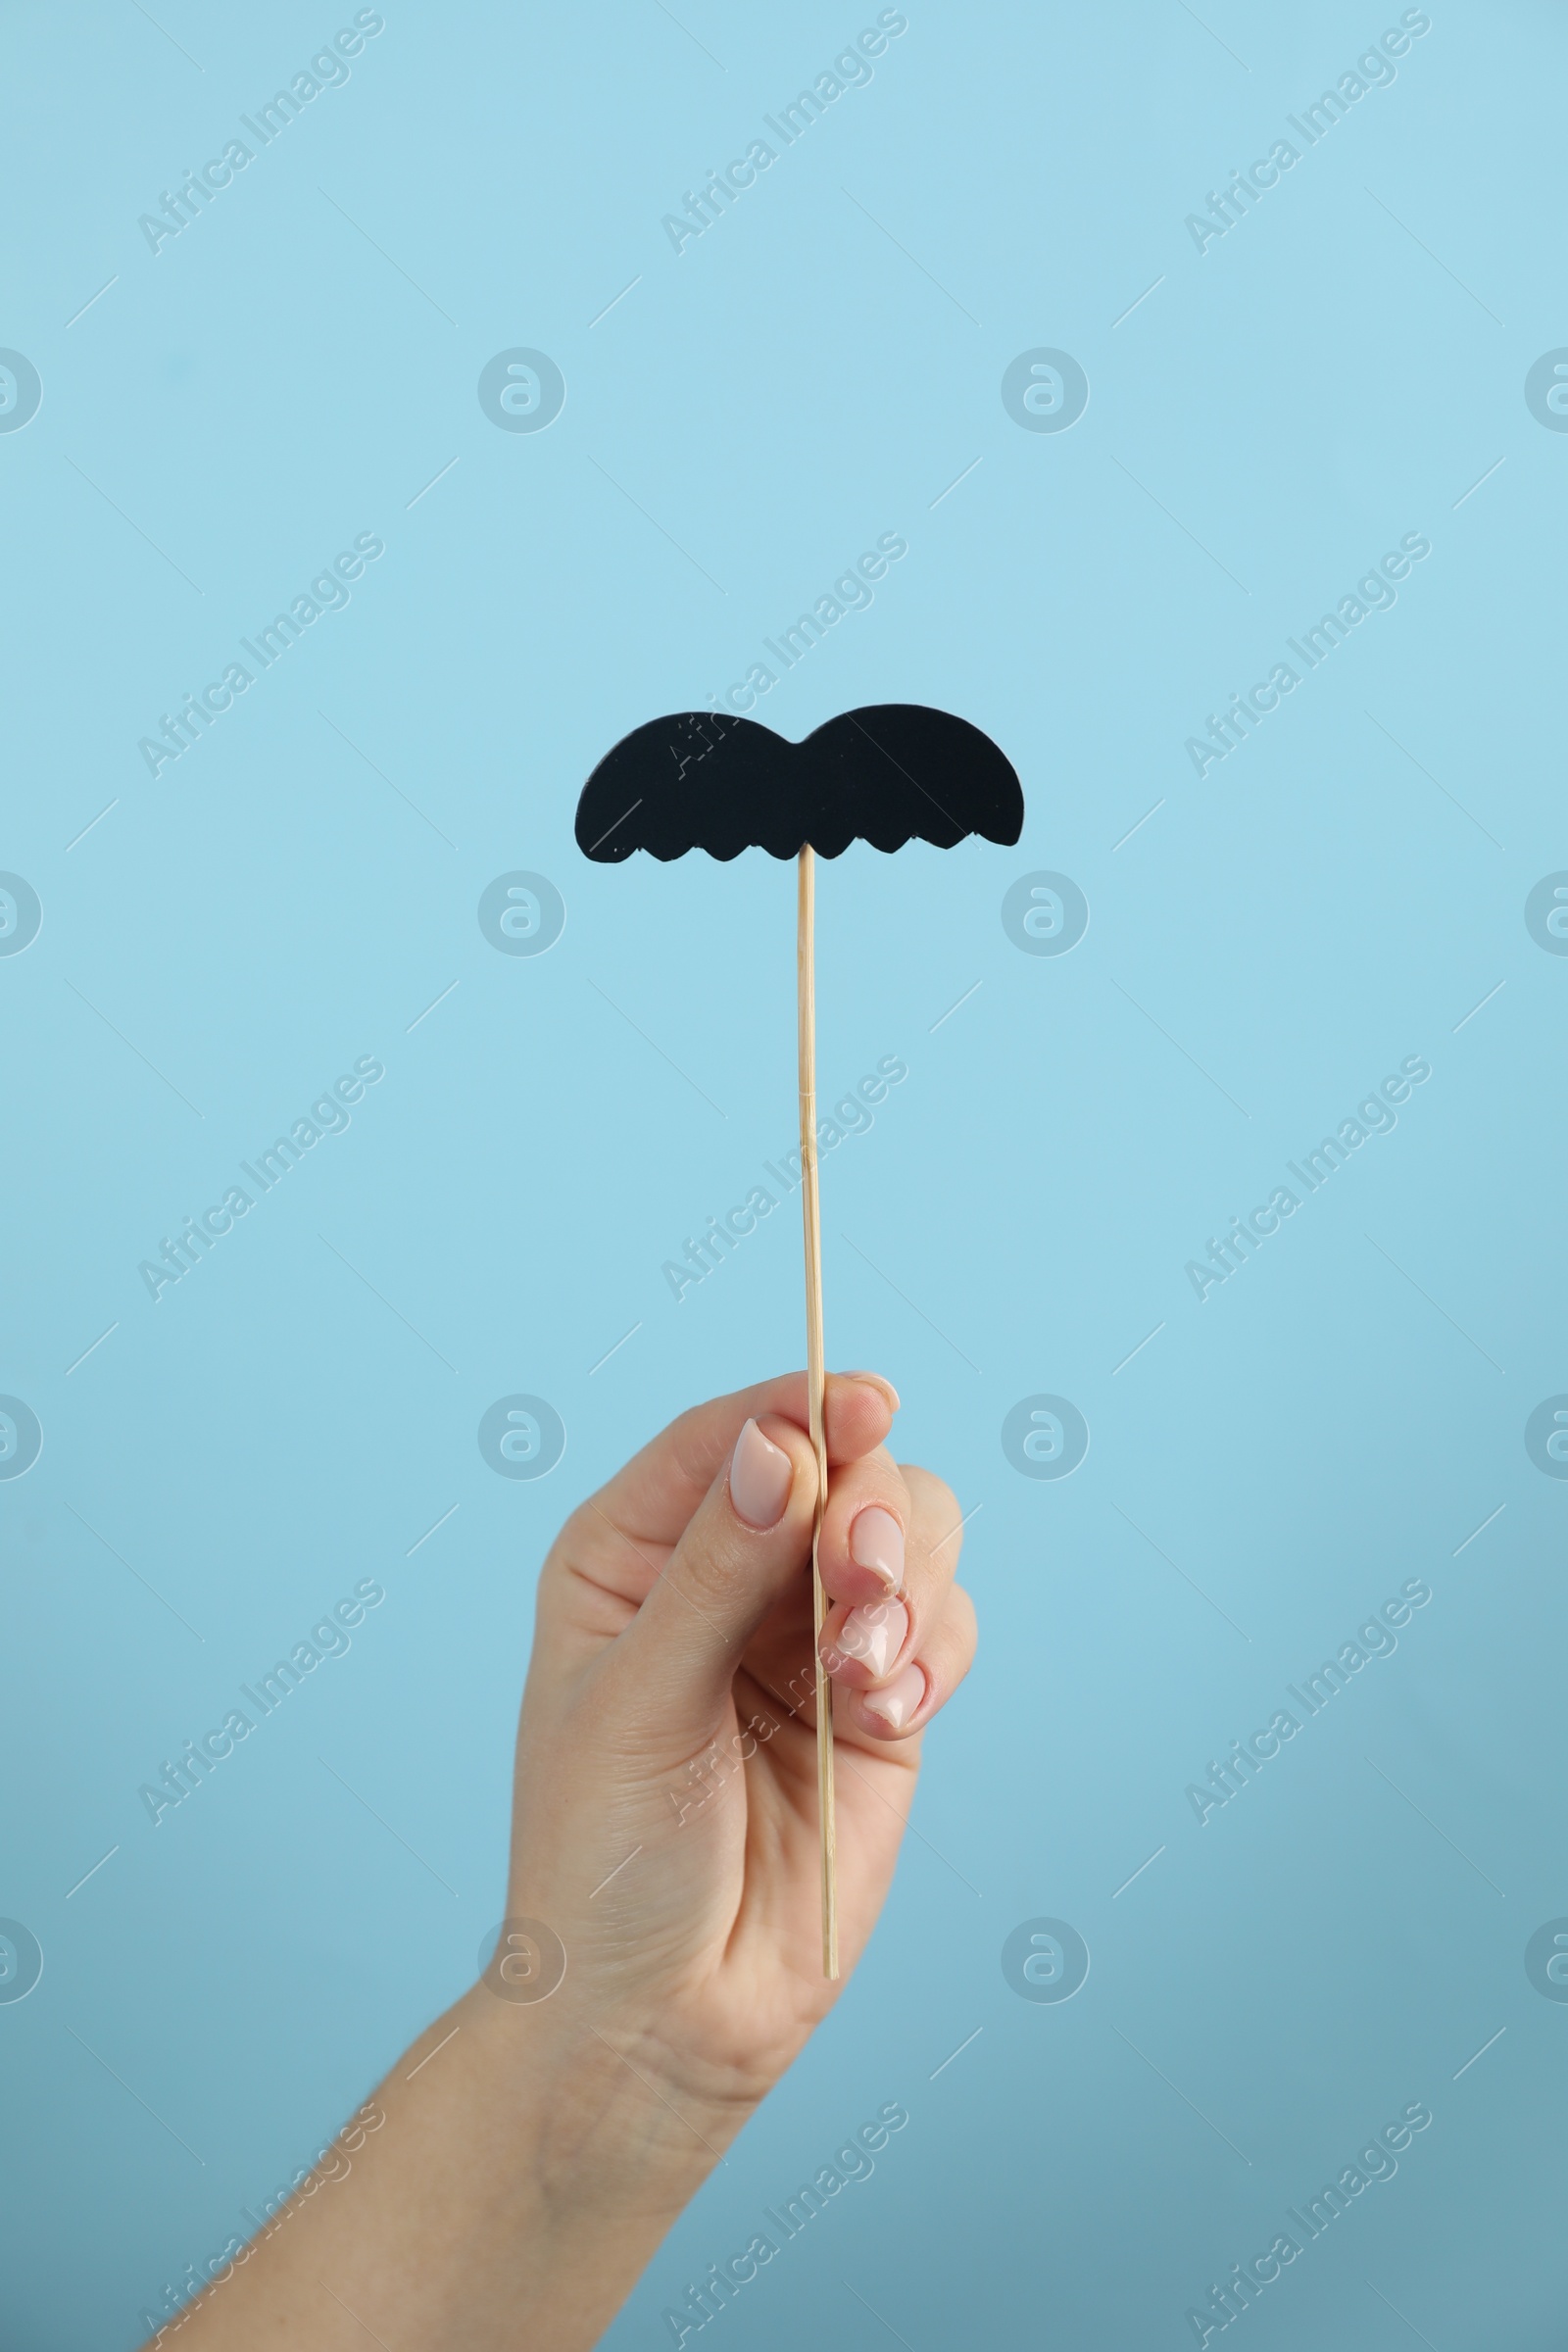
(1339, 369)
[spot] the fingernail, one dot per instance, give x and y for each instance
(875, 1635)
(900, 1702)
(877, 1381)
(759, 1478)
(876, 1542)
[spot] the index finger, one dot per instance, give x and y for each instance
(652, 1499)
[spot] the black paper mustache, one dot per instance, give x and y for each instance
(888, 773)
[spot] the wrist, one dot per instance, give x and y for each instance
(605, 2124)
(588, 2151)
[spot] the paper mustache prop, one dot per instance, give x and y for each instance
(888, 773)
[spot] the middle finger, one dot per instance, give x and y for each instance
(889, 1551)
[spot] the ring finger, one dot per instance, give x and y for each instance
(913, 1521)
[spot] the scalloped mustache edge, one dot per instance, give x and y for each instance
(886, 773)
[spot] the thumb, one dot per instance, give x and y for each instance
(745, 1545)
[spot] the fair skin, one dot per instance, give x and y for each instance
(665, 1830)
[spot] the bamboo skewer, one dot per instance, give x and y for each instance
(815, 1377)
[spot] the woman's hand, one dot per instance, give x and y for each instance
(660, 1962)
(665, 1822)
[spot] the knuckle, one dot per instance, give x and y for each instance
(961, 1627)
(875, 1479)
(712, 1568)
(690, 1448)
(936, 1507)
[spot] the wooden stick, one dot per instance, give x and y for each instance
(815, 1378)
